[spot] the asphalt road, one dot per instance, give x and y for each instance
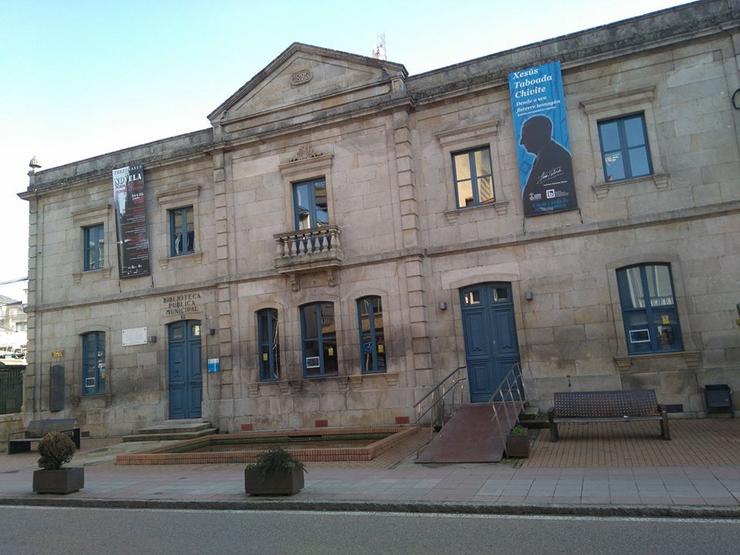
(41, 530)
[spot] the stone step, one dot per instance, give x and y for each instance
(175, 426)
(170, 435)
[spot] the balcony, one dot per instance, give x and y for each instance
(318, 248)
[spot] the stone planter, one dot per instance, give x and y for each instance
(279, 483)
(517, 446)
(63, 480)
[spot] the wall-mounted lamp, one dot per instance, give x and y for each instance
(442, 305)
(152, 339)
(212, 331)
(529, 295)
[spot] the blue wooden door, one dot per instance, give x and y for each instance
(491, 346)
(186, 391)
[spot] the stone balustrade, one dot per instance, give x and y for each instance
(317, 247)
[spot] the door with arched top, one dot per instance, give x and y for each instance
(184, 369)
(491, 346)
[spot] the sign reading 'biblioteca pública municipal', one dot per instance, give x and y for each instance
(543, 146)
(131, 226)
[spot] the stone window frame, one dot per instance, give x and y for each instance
(394, 366)
(466, 138)
(307, 165)
(618, 105)
(88, 217)
(171, 200)
(623, 358)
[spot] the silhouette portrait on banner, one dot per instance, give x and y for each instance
(550, 180)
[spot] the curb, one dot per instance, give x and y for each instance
(624, 511)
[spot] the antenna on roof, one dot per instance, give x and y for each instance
(379, 50)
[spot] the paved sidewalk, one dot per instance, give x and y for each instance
(399, 481)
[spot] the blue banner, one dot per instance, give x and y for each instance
(542, 144)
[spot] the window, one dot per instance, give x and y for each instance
(624, 148)
(649, 309)
(473, 177)
(310, 206)
(268, 344)
(94, 374)
(372, 341)
(319, 340)
(94, 241)
(182, 231)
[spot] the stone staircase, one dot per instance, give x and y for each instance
(173, 430)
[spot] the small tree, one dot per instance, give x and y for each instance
(55, 449)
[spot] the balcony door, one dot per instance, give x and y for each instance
(310, 206)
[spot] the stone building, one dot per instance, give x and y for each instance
(13, 324)
(344, 235)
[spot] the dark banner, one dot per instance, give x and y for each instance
(543, 146)
(130, 205)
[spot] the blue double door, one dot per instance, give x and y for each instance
(184, 369)
(491, 346)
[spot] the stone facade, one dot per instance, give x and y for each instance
(382, 141)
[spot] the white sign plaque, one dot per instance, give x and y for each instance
(134, 336)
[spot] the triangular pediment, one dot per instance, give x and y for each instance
(303, 74)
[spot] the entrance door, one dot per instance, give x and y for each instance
(186, 390)
(491, 346)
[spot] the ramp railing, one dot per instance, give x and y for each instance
(437, 405)
(508, 400)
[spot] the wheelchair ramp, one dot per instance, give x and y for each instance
(472, 435)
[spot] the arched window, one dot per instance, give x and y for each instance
(94, 372)
(268, 344)
(372, 340)
(319, 338)
(649, 309)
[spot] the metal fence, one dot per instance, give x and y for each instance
(11, 390)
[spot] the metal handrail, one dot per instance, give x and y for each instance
(450, 384)
(514, 388)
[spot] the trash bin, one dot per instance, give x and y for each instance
(718, 398)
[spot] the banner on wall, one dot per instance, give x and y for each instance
(131, 224)
(542, 143)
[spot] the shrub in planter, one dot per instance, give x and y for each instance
(276, 472)
(57, 449)
(517, 443)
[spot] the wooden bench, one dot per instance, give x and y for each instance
(37, 429)
(607, 406)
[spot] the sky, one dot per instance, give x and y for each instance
(80, 78)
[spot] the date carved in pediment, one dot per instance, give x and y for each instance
(301, 77)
